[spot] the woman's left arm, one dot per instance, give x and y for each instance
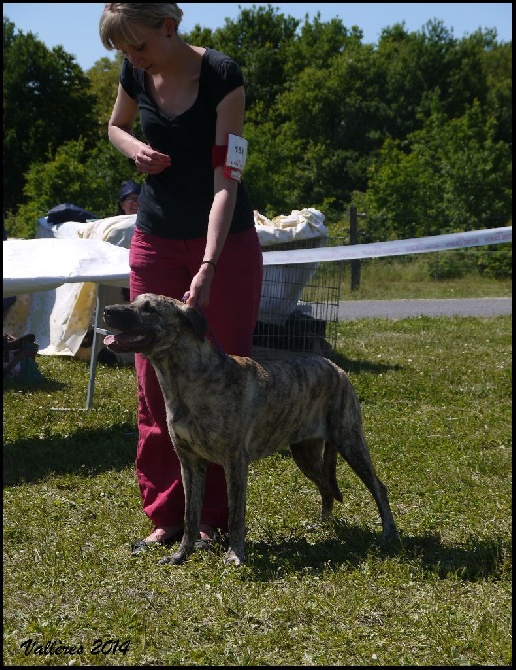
(230, 119)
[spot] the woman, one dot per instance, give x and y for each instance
(195, 234)
(128, 198)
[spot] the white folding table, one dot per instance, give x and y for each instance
(47, 263)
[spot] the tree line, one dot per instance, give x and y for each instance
(415, 130)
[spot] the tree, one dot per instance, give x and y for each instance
(450, 176)
(419, 126)
(342, 101)
(46, 103)
(259, 41)
(103, 85)
(499, 82)
(88, 177)
(326, 125)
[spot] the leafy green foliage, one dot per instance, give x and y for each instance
(415, 130)
(259, 40)
(499, 96)
(494, 262)
(88, 178)
(103, 85)
(449, 176)
(45, 103)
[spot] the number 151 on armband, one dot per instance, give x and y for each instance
(236, 157)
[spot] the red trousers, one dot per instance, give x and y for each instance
(166, 267)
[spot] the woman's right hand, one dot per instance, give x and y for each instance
(149, 161)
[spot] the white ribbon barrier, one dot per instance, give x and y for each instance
(35, 265)
(417, 245)
(287, 272)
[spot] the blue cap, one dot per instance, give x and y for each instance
(127, 188)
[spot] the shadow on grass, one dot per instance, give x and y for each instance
(28, 461)
(478, 560)
(473, 561)
(355, 367)
(43, 386)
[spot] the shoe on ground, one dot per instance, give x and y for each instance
(142, 545)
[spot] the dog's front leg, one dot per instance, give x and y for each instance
(193, 472)
(236, 477)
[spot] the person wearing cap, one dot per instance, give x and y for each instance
(195, 237)
(128, 198)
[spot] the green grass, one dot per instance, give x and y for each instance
(389, 279)
(392, 279)
(436, 396)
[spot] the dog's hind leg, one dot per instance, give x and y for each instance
(353, 448)
(193, 472)
(330, 469)
(317, 460)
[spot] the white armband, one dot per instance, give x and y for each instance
(236, 157)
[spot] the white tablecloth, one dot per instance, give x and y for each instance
(56, 281)
(44, 264)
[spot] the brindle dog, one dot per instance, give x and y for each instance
(232, 410)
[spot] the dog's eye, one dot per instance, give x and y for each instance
(146, 307)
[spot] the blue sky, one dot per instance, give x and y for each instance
(75, 25)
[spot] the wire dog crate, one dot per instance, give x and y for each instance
(299, 305)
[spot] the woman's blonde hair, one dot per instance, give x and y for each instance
(118, 18)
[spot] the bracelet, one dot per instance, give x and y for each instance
(211, 263)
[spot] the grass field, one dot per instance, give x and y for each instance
(389, 281)
(436, 396)
(392, 279)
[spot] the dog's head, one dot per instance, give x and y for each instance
(152, 324)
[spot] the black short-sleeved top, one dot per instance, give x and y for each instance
(176, 203)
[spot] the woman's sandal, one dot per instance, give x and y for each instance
(207, 543)
(142, 545)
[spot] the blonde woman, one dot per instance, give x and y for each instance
(195, 233)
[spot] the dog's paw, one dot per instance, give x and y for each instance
(391, 535)
(232, 558)
(175, 559)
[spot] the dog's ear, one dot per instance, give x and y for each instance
(196, 320)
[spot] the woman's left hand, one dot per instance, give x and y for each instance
(200, 287)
